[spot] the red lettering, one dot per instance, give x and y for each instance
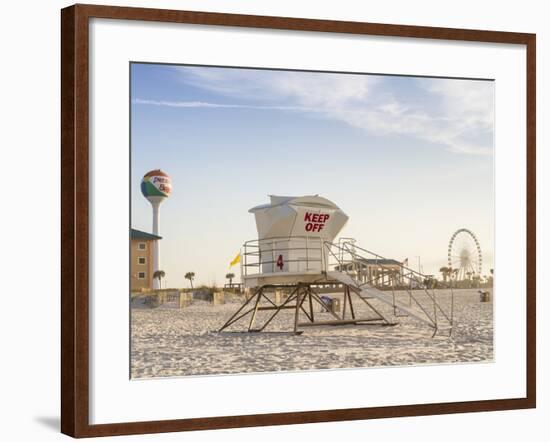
(315, 221)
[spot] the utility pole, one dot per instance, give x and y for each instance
(419, 267)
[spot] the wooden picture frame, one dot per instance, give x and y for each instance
(75, 380)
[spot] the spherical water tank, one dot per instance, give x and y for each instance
(156, 185)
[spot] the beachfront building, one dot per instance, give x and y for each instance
(141, 259)
(377, 272)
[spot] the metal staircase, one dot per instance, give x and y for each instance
(346, 262)
(313, 265)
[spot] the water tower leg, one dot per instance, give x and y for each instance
(156, 243)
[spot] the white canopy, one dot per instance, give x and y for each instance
(310, 215)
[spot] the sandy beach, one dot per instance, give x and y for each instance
(168, 341)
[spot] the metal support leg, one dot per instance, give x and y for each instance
(230, 320)
(297, 313)
(380, 315)
(281, 307)
(253, 318)
(350, 304)
(310, 305)
(345, 304)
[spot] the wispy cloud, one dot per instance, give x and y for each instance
(456, 114)
(195, 104)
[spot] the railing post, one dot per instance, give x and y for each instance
(307, 253)
(245, 260)
(243, 264)
(324, 264)
(272, 256)
(260, 254)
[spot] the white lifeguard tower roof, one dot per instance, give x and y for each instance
(309, 215)
(313, 200)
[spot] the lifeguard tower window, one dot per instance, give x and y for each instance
(142, 246)
(142, 260)
(141, 275)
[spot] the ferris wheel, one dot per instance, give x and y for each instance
(464, 254)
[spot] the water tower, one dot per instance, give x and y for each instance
(156, 186)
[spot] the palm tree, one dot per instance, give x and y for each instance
(230, 276)
(443, 271)
(190, 276)
(446, 272)
(159, 274)
(453, 274)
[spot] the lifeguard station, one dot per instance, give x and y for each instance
(296, 253)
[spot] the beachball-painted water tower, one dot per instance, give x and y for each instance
(156, 186)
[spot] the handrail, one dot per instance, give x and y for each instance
(377, 256)
(263, 251)
(261, 254)
(432, 295)
(285, 238)
(409, 273)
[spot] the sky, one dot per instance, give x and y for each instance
(408, 159)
